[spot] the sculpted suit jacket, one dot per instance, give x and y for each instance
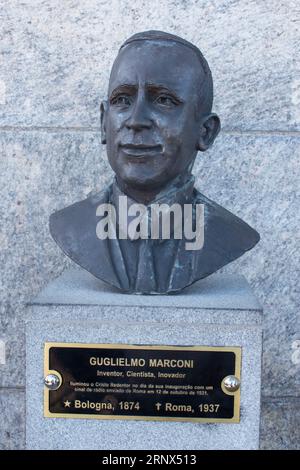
(145, 265)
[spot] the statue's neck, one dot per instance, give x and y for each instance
(140, 195)
(178, 188)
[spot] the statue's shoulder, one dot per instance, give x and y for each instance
(75, 224)
(73, 228)
(225, 229)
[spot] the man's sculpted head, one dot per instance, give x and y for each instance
(158, 113)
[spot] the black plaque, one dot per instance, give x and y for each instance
(117, 381)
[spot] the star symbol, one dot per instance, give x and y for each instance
(67, 404)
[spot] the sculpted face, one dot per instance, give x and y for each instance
(153, 123)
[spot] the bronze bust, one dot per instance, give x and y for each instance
(157, 117)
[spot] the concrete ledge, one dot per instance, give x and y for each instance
(78, 287)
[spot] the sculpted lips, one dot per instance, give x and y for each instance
(141, 150)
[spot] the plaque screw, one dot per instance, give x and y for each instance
(52, 381)
(231, 383)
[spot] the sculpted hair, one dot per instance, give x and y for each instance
(206, 85)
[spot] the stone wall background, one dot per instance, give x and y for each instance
(55, 58)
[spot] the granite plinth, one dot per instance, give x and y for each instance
(76, 307)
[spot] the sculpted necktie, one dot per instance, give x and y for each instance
(145, 276)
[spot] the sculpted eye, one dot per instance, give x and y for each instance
(165, 100)
(121, 100)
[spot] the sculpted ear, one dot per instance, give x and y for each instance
(103, 110)
(210, 128)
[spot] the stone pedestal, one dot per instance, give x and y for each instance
(77, 308)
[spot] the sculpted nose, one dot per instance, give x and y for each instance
(139, 118)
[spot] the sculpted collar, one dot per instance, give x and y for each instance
(178, 191)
